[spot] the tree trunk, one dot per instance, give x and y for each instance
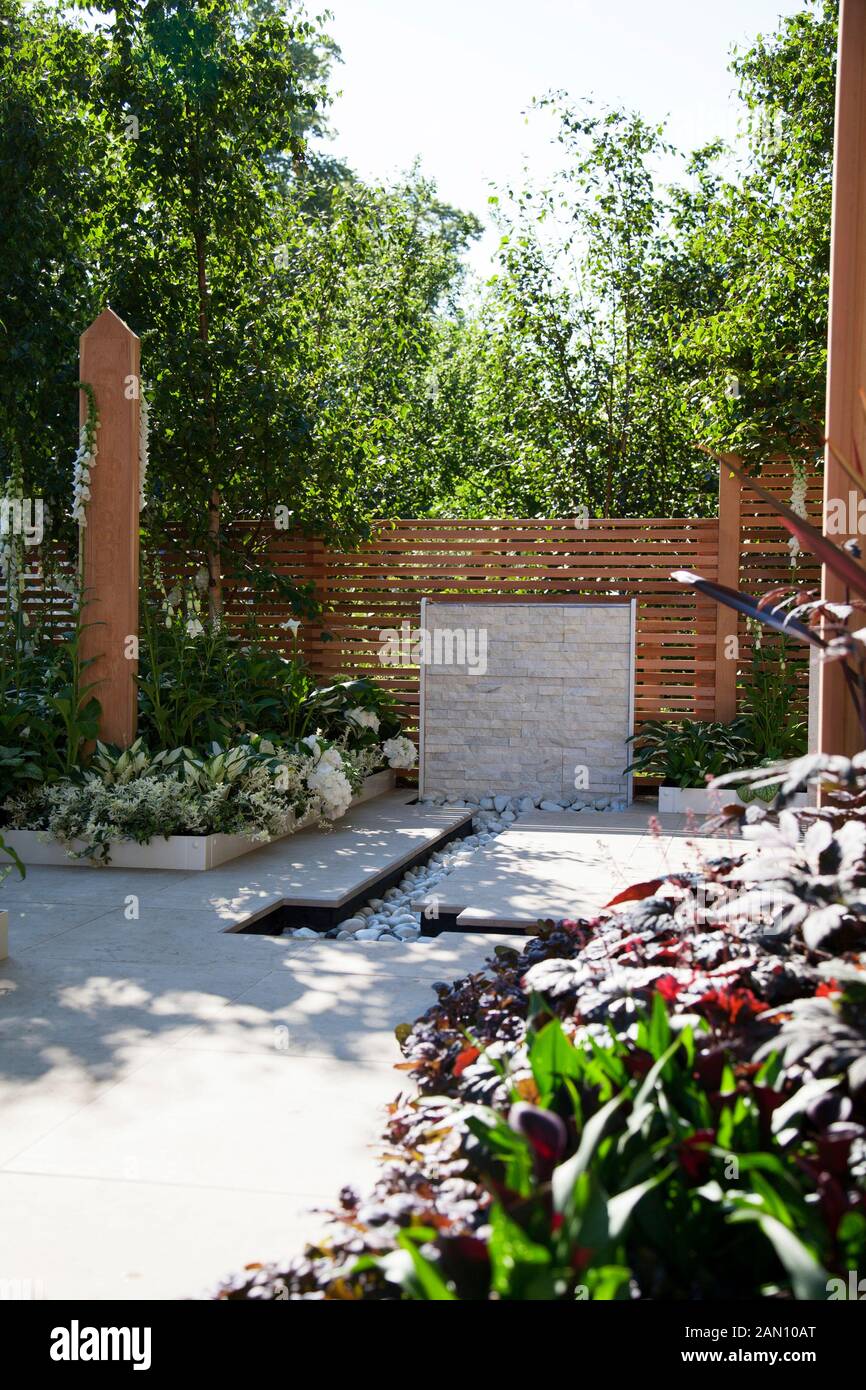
(214, 558)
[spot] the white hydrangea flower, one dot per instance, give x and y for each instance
(332, 757)
(399, 752)
(331, 785)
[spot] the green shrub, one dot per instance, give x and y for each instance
(772, 700)
(48, 712)
(640, 1164)
(685, 753)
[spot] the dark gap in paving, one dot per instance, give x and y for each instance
(447, 921)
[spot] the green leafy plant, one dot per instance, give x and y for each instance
(771, 700)
(48, 712)
(71, 700)
(632, 1165)
(9, 853)
(686, 753)
(201, 682)
(21, 734)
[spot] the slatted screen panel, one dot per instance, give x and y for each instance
(378, 588)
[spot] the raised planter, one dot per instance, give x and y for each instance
(703, 801)
(191, 852)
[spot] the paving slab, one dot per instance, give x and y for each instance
(439, 958)
(254, 1122)
(142, 1241)
(169, 935)
(40, 1090)
(99, 887)
(59, 1012)
(32, 923)
(556, 864)
(315, 867)
(351, 1018)
(175, 1098)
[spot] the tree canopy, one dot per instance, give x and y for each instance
(632, 320)
(309, 340)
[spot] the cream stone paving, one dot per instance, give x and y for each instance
(166, 1121)
(155, 1240)
(263, 1122)
(325, 867)
(556, 864)
(174, 1095)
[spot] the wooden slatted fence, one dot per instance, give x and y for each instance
(377, 589)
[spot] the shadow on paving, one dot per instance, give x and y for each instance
(96, 1018)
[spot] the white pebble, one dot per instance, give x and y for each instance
(353, 924)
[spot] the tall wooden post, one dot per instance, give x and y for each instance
(729, 574)
(110, 364)
(838, 731)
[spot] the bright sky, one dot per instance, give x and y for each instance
(447, 80)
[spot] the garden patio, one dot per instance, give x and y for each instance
(432, 786)
(142, 1059)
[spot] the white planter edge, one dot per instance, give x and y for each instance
(190, 852)
(702, 800)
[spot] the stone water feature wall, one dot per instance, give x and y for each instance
(529, 699)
